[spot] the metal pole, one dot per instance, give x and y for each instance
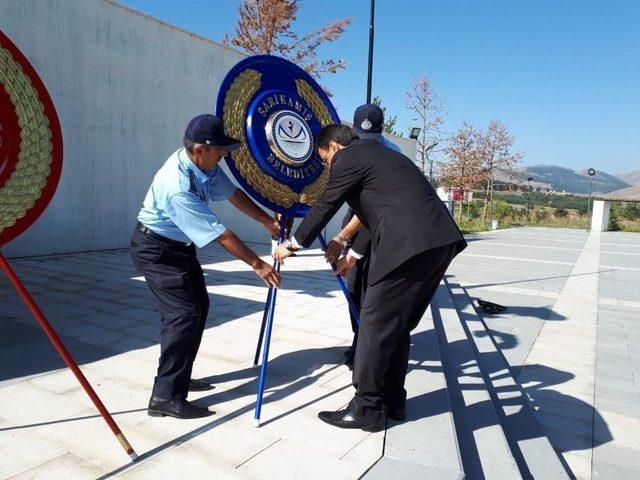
(491, 202)
(264, 322)
(269, 310)
(343, 287)
(529, 204)
(66, 356)
(589, 206)
(370, 67)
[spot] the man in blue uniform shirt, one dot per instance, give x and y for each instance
(174, 219)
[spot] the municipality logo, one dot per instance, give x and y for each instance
(289, 137)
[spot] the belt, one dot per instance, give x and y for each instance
(157, 236)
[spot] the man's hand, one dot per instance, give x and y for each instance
(334, 249)
(345, 264)
(272, 226)
(281, 253)
(267, 273)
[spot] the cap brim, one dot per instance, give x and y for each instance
(228, 144)
(369, 135)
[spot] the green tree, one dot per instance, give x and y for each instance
(615, 215)
(560, 212)
(541, 214)
(389, 121)
(501, 209)
(632, 212)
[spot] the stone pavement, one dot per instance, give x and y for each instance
(107, 318)
(570, 336)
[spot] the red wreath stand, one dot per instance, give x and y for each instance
(10, 146)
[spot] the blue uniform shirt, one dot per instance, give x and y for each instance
(176, 205)
(389, 144)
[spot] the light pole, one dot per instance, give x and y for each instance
(491, 200)
(529, 201)
(370, 66)
(591, 173)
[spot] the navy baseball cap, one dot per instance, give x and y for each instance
(208, 129)
(368, 121)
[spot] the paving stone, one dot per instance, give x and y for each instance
(35, 405)
(311, 307)
(68, 466)
(108, 321)
(93, 334)
(138, 313)
(20, 451)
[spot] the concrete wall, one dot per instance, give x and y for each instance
(124, 86)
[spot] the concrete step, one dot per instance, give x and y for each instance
(484, 449)
(531, 449)
(425, 444)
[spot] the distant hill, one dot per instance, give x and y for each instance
(563, 179)
(631, 193)
(632, 177)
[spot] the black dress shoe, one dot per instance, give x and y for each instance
(397, 414)
(177, 408)
(199, 386)
(347, 419)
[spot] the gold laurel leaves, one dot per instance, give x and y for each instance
(21, 191)
(240, 93)
(312, 192)
(242, 89)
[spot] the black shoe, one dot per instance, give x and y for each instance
(397, 414)
(347, 419)
(199, 386)
(177, 408)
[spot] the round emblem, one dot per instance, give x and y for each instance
(30, 144)
(276, 109)
(366, 125)
(289, 137)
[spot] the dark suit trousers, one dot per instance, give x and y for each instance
(357, 286)
(175, 277)
(391, 309)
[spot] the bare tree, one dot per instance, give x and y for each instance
(495, 151)
(423, 102)
(265, 28)
(389, 121)
(464, 170)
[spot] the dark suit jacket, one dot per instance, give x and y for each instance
(365, 237)
(392, 198)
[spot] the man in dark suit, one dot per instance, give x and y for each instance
(368, 123)
(413, 240)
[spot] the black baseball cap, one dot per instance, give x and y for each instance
(368, 121)
(208, 129)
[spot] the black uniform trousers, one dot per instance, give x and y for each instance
(391, 309)
(175, 277)
(357, 286)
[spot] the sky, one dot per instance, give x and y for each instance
(563, 75)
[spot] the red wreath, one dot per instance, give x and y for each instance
(10, 143)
